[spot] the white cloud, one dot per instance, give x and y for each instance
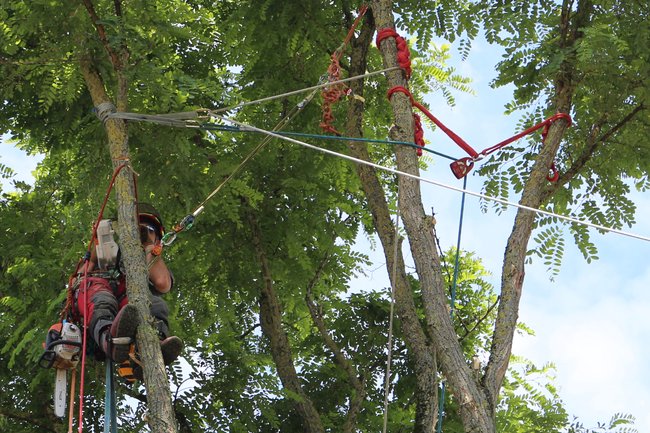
(593, 323)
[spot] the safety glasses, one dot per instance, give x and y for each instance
(145, 231)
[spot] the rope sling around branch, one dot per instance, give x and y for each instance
(436, 183)
(186, 119)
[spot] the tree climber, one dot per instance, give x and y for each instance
(111, 320)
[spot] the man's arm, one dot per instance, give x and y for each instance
(159, 275)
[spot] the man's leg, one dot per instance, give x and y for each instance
(113, 331)
(171, 347)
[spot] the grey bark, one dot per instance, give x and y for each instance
(426, 393)
(160, 413)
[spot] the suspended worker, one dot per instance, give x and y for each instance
(111, 320)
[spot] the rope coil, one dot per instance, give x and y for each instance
(332, 93)
(403, 53)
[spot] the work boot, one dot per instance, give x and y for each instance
(171, 347)
(115, 342)
(125, 369)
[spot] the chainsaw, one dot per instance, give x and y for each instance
(62, 350)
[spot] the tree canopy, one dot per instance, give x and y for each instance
(277, 339)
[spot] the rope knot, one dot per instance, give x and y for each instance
(418, 130)
(403, 53)
(332, 94)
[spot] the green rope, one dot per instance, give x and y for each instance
(215, 127)
(452, 301)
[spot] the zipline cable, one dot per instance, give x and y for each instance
(307, 89)
(187, 119)
(215, 127)
(436, 183)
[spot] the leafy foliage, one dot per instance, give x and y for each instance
(609, 108)
(184, 55)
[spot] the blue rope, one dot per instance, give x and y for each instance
(110, 417)
(214, 127)
(441, 403)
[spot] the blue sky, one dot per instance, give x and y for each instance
(592, 321)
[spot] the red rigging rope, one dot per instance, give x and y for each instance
(462, 166)
(333, 93)
(451, 134)
(403, 53)
(69, 306)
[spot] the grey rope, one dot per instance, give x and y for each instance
(174, 119)
(104, 110)
(307, 89)
(440, 184)
(393, 285)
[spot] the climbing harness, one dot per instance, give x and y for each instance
(333, 93)
(67, 343)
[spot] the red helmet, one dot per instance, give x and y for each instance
(148, 214)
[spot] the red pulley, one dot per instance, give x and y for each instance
(461, 167)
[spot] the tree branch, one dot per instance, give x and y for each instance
(593, 143)
(101, 32)
(271, 323)
(417, 340)
(341, 360)
(44, 425)
(513, 270)
(481, 320)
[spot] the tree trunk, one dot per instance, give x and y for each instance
(160, 415)
(475, 412)
(535, 191)
(271, 322)
(426, 393)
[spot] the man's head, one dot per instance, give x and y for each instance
(151, 225)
